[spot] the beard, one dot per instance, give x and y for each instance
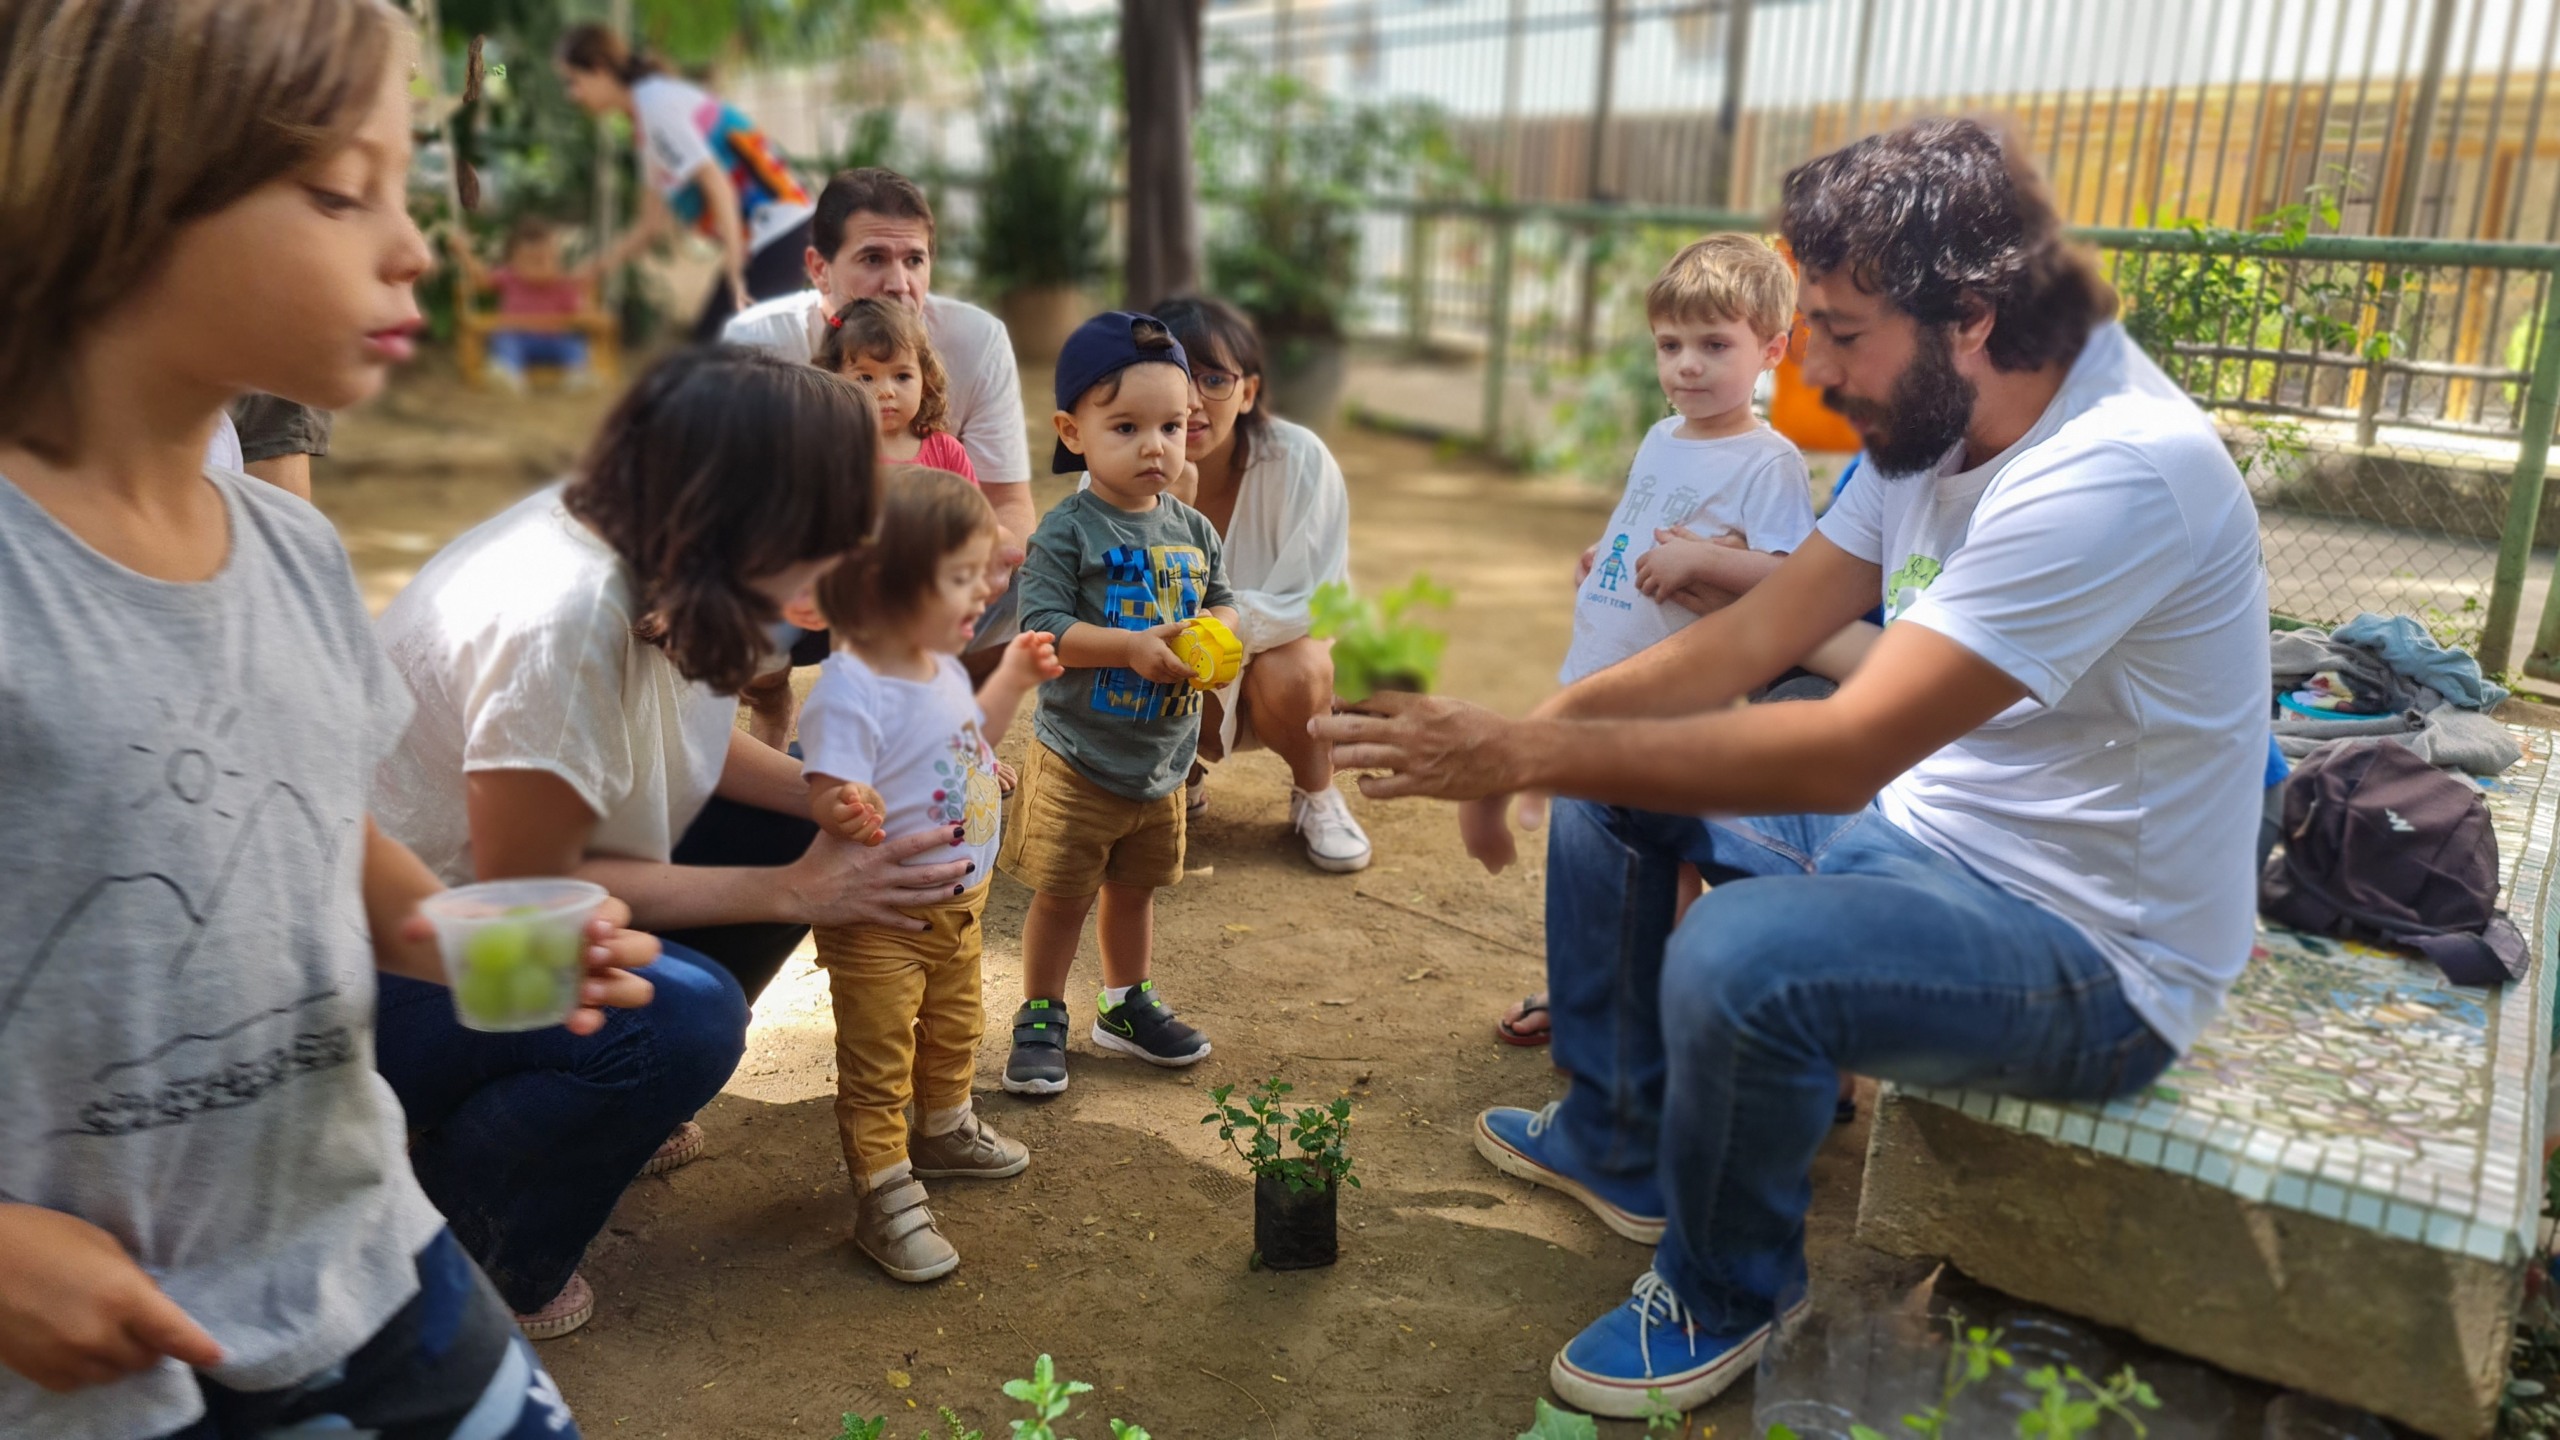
(1926, 415)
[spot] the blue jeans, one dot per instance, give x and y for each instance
(525, 1141)
(1709, 1059)
(518, 350)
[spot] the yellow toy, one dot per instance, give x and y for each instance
(1212, 651)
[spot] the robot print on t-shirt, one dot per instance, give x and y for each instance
(1150, 585)
(1614, 568)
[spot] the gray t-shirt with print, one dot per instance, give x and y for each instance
(1094, 562)
(186, 984)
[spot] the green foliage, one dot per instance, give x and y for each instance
(1598, 405)
(1048, 1397)
(2530, 1408)
(857, 1428)
(1661, 1417)
(1374, 642)
(2068, 1403)
(1048, 176)
(1300, 165)
(2215, 297)
(1555, 1424)
(1255, 1129)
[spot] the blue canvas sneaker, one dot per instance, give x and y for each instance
(1650, 1343)
(1518, 1143)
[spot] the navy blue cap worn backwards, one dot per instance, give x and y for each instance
(1101, 348)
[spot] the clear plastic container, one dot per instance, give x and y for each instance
(513, 949)
(1821, 1374)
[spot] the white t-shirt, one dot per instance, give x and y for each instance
(223, 451)
(1753, 482)
(516, 640)
(2108, 562)
(985, 399)
(683, 127)
(918, 742)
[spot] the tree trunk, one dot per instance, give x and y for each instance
(1160, 68)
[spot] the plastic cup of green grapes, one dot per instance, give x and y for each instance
(514, 949)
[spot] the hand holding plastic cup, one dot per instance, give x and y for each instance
(514, 950)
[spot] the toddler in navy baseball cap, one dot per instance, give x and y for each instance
(1095, 355)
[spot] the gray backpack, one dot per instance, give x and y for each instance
(2382, 847)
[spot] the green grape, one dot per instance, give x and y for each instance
(533, 991)
(555, 948)
(498, 948)
(484, 994)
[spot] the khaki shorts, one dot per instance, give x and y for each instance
(1067, 835)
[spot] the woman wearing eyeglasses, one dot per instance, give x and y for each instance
(1277, 498)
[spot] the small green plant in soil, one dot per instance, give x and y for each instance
(1255, 1127)
(1048, 1397)
(2068, 1403)
(1376, 644)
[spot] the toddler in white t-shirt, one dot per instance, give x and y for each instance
(892, 717)
(1710, 472)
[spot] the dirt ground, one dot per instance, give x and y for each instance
(730, 1299)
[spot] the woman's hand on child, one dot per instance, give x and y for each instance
(1033, 656)
(75, 1310)
(852, 811)
(836, 882)
(1150, 653)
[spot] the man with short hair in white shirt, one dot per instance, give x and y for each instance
(873, 237)
(2012, 852)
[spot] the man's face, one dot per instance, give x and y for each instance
(883, 257)
(1894, 379)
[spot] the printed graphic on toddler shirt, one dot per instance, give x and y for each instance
(966, 792)
(1614, 568)
(1150, 585)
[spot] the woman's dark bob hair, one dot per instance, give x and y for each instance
(719, 466)
(1217, 336)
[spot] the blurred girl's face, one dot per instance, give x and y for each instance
(305, 280)
(1218, 396)
(946, 617)
(896, 385)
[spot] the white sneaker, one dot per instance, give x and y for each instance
(1335, 842)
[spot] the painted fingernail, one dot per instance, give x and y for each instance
(972, 870)
(958, 834)
(959, 889)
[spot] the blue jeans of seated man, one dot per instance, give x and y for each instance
(1710, 1058)
(526, 1141)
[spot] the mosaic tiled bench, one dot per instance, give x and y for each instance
(2338, 1190)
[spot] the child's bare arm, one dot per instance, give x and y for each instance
(76, 1311)
(1031, 658)
(846, 809)
(1087, 646)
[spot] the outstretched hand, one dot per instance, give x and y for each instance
(1032, 657)
(1425, 744)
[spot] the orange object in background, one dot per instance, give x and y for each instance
(1797, 412)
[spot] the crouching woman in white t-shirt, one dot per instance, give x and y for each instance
(576, 662)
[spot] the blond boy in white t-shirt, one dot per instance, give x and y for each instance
(1710, 471)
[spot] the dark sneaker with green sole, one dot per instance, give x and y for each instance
(1142, 1025)
(1038, 1065)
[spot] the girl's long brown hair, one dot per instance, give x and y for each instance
(878, 330)
(721, 465)
(121, 121)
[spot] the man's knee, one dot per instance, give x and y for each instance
(1301, 670)
(1731, 964)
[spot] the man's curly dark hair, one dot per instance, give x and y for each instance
(1939, 218)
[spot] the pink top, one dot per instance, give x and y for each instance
(518, 296)
(942, 452)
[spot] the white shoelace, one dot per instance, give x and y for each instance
(1657, 1303)
(1545, 1117)
(1331, 816)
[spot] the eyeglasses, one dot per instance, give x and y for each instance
(1216, 384)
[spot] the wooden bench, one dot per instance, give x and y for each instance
(2338, 1190)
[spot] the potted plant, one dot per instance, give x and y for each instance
(1294, 1221)
(1293, 168)
(1040, 211)
(1375, 645)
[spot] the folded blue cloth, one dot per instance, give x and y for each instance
(2403, 644)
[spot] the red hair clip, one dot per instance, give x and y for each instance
(835, 322)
